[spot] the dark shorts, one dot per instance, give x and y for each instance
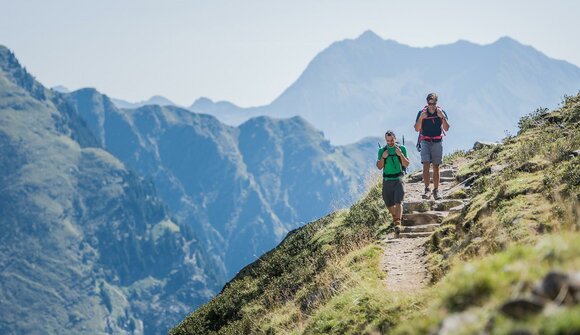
(393, 192)
(432, 152)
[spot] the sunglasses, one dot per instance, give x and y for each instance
(431, 103)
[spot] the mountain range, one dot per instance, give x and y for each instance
(87, 246)
(240, 188)
(122, 220)
(361, 87)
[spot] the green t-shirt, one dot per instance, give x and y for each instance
(392, 163)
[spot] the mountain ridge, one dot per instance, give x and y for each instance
(201, 165)
(86, 243)
(154, 100)
(360, 87)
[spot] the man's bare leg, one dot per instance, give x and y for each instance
(426, 179)
(396, 213)
(399, 212)
(436, 191)
(435, 176)
(393, 211)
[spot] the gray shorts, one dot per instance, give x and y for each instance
(393, 192)
(432, 152)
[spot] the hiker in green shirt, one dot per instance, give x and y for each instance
(391, 159)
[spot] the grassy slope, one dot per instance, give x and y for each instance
(522, 221)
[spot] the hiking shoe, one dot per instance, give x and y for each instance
(427, 193)
(436, 194)
(397, 230)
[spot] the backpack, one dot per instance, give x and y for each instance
(403, 168)
(420, 137)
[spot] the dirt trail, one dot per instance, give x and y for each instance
(404, 258)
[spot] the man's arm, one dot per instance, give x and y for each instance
(404, 160)
(444, 124)
(381, 160)
(443, 116)
(419, 121)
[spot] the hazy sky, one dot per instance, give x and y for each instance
(248, 52)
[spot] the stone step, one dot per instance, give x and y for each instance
(456, 209)
(425, 228)
(448, 174)
(445, 205)
(430, 205)
(429, 217)
(414, 235)
(415, 178)
(417, 206)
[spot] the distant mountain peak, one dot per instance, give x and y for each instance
(369, 35)
(89, 90)
(299, 123)
(465, 42)
(202, 102)
(60, 89)
(301, 120)
(8, 61)
(154, 100)
(507, 40)
(17, 74)
(159, 100)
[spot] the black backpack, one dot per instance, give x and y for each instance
(403, 168)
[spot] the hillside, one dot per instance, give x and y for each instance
(86, 245)
(508, 261)
(271, 175)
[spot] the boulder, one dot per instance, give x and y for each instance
(574, 284)
(482, 144)
(522, 308)
(498, 168)
(551, 285)
(559, 287)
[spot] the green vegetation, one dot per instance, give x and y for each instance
(526, 187)
(311, 267)
(480, 287)
(521, 222)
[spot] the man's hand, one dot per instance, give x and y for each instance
(440, 113)
(398, 152)
(423, 115)
(385, 154)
